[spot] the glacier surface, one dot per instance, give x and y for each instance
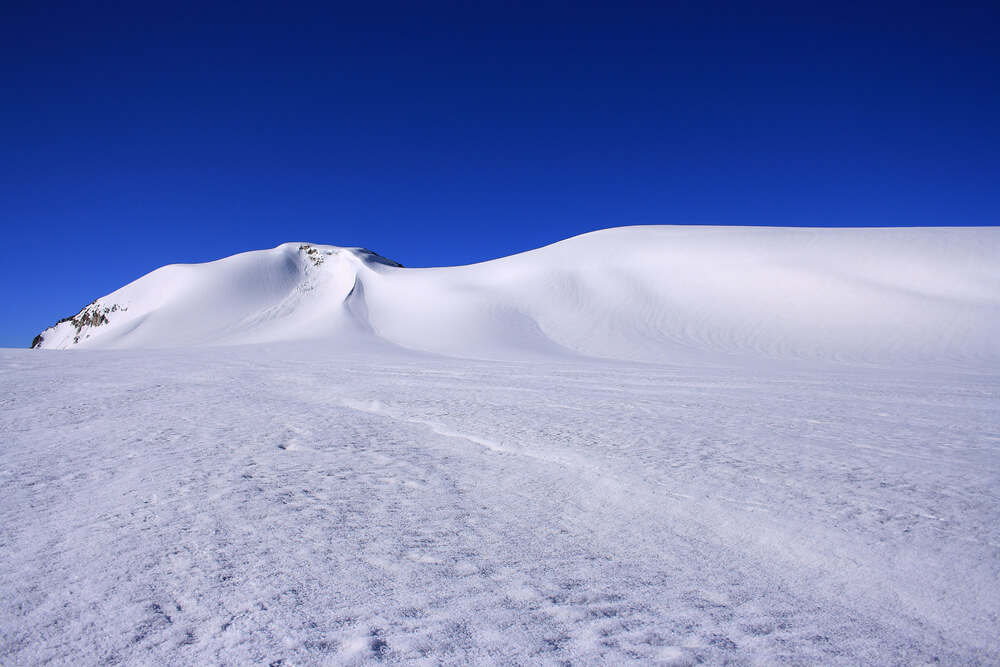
(653, 445)
(285, 505)
(667, 294)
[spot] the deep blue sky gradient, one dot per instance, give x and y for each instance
(138, 134)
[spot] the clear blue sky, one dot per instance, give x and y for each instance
(137, 134)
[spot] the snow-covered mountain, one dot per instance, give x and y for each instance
(329, 497)
(658, 293)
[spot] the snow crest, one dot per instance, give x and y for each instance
(293, 292)
(667, 294)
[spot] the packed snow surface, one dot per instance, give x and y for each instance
(659, 445)
(283, 504)
(663, 294)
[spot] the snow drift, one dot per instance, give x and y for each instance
(660, 293)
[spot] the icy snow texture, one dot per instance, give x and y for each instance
(663, 294)
(787, 455)
(277, 503)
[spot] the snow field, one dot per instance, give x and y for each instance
(283, 504)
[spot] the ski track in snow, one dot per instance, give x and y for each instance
(273, 505)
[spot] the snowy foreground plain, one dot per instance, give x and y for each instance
(771, 493)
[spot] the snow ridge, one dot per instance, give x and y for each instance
(667, 294)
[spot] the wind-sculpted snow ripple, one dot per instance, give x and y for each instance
(283, 504)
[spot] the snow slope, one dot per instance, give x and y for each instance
(660, 293)
(328, 496)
